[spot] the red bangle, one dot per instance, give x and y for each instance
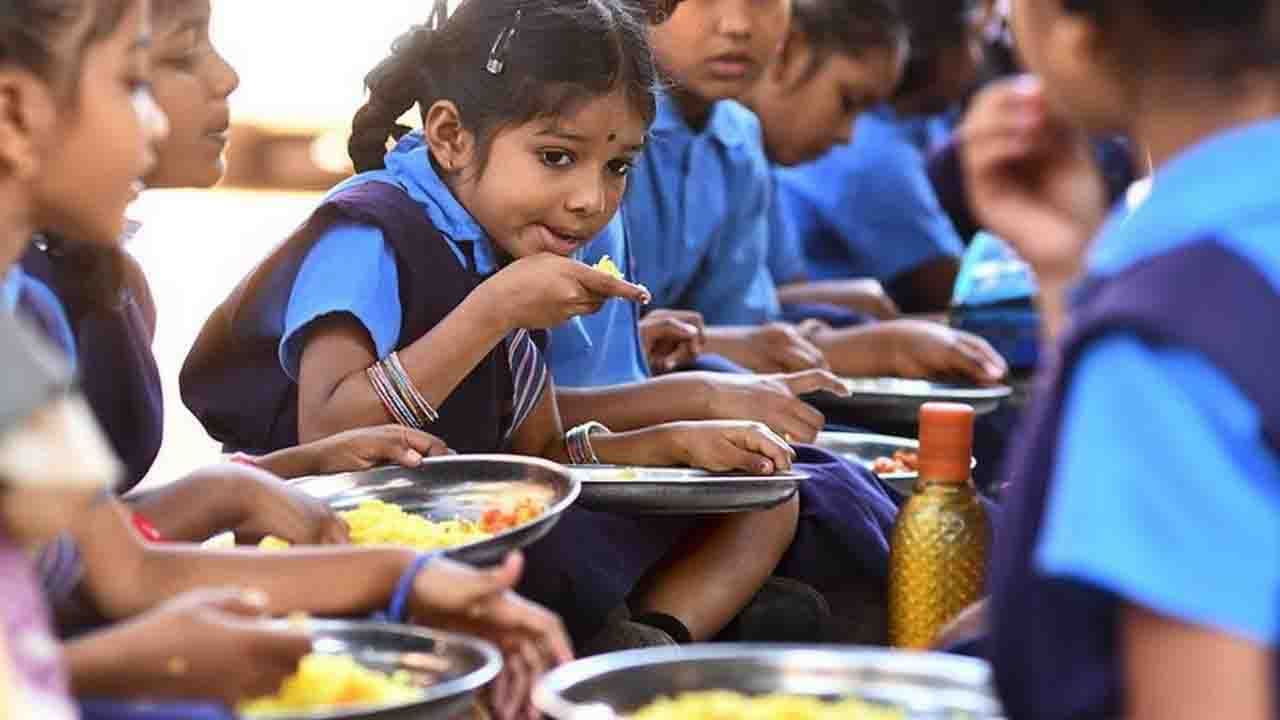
(146, 529)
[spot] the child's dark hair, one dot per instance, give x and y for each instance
(848, 27)
(30, 30)
(506, 62)
(933, 26)
(1219, 37)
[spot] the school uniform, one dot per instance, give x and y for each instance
(696, 213)
(111, 341)
(867, 209)
(1148, 471)
(395, 251)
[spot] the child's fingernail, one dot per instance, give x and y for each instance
(257, 598)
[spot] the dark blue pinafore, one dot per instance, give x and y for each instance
(1054, 641)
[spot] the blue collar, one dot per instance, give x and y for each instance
(409, 164)
(1214, 185)
(10, 289)
(721, 122)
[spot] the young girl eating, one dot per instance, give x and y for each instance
(419, 290)
(1154, 442)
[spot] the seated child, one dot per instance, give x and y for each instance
(419, 290)
(697, 215)
(867, 209)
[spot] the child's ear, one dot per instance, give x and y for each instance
(452, 145)
(27, 113)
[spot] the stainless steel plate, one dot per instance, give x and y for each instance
(923, 685)
(468, 664)
(898, 400)
(459, 486)
(864, 448)
(680, 491)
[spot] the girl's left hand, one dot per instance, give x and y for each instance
(456, 597)
(672, 338)
(728, 446)
(354, 450)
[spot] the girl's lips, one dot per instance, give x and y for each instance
(730, 67)
(559, 243)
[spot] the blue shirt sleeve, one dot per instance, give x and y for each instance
(1164, 493)
(350, 269)
(889, 212)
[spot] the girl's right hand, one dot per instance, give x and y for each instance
(1031, 180)
(728, 447)
(211, 646)
(546, 290)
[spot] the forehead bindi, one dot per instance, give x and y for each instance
(608, 119)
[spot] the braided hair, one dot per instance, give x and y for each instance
(504, 63)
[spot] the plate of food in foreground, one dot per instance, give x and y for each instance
(898, 400)
(698, 682)
(680, 491)
(476, 507)
(894, 459)
(379, 671)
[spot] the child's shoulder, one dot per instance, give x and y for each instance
(739, 130)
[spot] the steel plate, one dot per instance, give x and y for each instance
(923, 685)
(459, 486)
(680, 491)
(469, 664)
(898, 400)
(864, 448)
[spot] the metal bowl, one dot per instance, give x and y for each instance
(680, 491)
(898, 400)
(459, 486)
(468, 665)
(864, 448)
(923, 685)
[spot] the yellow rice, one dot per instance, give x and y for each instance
(726, 705)
(324, 682)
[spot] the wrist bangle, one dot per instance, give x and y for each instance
(400, 598)
(242, 458)
(578, 442)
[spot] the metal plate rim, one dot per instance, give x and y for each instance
(481, 547)
(937, 390)
(549, 692)
(446, 691)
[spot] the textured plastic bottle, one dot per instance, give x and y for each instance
(938, 553)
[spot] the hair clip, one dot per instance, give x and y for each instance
(498, 53)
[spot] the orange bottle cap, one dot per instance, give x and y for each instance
(946, 442)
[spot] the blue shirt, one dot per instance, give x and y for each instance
(351, 268)
(1163, 492)
(786, 257)
(697, 214)
(868, 209)
(604, 348)
(27, 296)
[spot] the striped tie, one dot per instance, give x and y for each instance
(529, 372)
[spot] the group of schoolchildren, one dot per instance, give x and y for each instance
(766, 175)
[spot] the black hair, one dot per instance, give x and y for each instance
(934, 26)
(32, 31)
(1221, 37)
(848, 27)
(506, 62)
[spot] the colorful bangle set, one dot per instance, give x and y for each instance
(578, 442)
(402, 400)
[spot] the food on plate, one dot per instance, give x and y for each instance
(723, 705)
(326, 682)
(903, 461)
(375, 522)
(607, 266)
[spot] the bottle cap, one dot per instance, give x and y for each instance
(946, 442)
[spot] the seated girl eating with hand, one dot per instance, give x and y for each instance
(419, 290)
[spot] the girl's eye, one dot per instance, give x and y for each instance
(620, 167)
(556, 158)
